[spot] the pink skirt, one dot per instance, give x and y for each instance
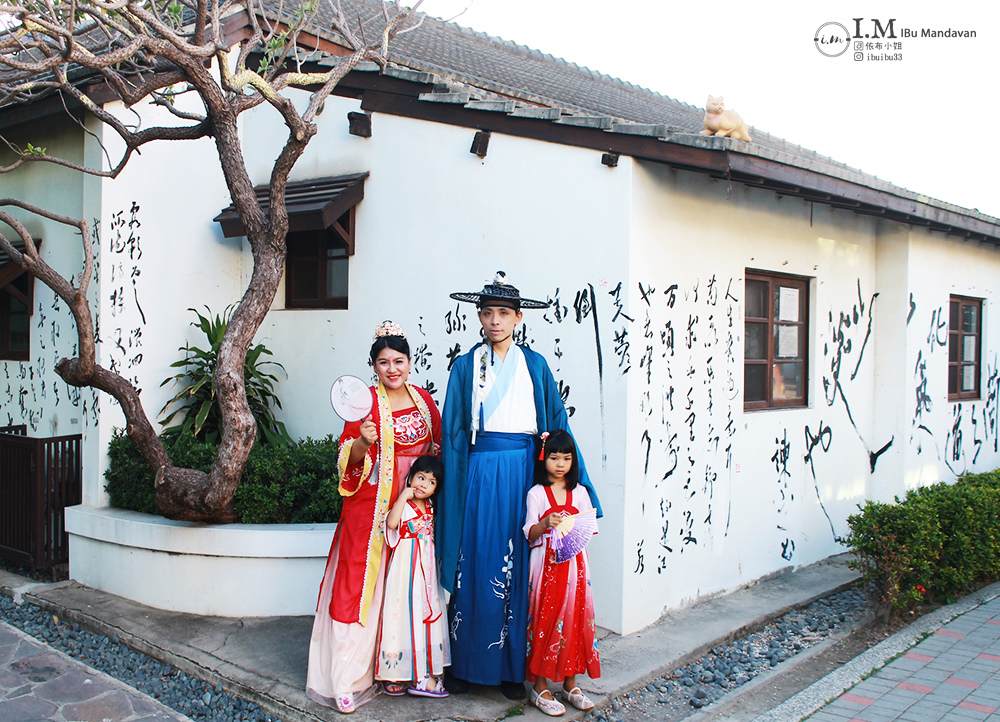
(342, 656)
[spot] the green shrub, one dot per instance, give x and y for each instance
(896, 548)
(290, 484)
(967, 513)
(128, 476)
(281, 484)
(196, 408)
(940, 541)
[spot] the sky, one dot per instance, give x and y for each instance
(927, 120)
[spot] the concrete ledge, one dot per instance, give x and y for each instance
(225, 570)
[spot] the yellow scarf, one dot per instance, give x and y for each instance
(386, 468)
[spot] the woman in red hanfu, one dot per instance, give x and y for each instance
(561, 627)
(375, 456)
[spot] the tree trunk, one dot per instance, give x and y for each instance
(144, 44)
(193, 495)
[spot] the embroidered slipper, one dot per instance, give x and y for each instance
(393, 689)
(345, 703)
(578, 699)
(428, 687)
(549, 705)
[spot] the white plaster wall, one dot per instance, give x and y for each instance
(892, 388)
(945, 439)
(726, 496)
(31, 392)
(697, 501)
(437, 219)
(156, 253)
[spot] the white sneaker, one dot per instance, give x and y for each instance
(549, 705)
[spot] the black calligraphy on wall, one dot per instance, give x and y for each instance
(31, 393)
(844, 348)
(955, 433)
(123, 343)
(684, 335)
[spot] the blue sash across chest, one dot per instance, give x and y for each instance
(501, 384)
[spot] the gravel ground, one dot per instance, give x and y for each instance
(683, 691)
(669, 698)
(178, 690)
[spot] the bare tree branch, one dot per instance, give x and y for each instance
(166, 101)
(137, 48)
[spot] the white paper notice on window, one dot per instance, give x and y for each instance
(788, 304)
(788, 341)
(969, 348)
(968, 378)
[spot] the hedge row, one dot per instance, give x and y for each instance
(937, 543)
(281, 484)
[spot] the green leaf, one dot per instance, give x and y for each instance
(194, 404)
(203, 413)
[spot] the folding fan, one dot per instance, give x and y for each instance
(571, 535)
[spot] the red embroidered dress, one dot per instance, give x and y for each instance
(561, 627)
(370, 489)
(345, 630)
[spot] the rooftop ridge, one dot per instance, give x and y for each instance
(536, 53)
(777, 140)
(489, 68)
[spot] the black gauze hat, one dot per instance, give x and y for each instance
(499, 293)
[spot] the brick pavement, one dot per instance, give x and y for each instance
(951, 674)
(41, 683)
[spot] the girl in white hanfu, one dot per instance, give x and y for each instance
(413, 643)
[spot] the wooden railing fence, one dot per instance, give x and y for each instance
(39, 478)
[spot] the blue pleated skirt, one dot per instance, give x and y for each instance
(489, 607)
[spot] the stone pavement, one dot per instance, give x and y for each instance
(944, 666)
(40, 683)
(264, 659)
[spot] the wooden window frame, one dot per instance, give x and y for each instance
(11, 277)
(956, 337)
(339, 235)
(321, 212)
(771, 323)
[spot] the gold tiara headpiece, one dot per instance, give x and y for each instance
(388, 328)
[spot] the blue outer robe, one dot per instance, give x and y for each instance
(456, 432)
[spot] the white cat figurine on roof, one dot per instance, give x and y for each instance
(719, 121)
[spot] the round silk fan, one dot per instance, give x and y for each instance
(351, 398)
(571, 535)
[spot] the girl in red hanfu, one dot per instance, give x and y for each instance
(561, 627)
(375, 457)
(413, 644)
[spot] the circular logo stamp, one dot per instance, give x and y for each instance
(832, 39)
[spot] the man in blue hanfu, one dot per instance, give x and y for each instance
(501, 397)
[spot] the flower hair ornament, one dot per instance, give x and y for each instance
(388, 328)
(543, 437)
